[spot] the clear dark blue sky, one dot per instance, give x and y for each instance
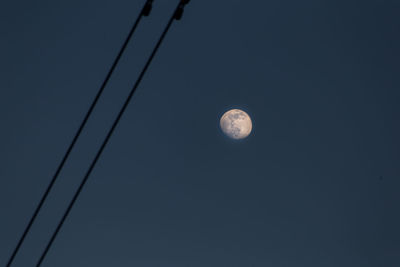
(316, 184)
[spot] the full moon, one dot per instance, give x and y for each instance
(236, 124)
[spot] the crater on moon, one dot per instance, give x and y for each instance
(236, 124)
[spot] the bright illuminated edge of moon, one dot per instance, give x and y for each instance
(236, 124)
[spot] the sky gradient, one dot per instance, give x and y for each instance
(315, 184)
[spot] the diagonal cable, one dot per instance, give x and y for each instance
(144, 12)
(177, 15)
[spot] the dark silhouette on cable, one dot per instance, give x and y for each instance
(144, 12)
(147, 8)
(177, 15)
(179, 10)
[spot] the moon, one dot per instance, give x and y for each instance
(236, 124)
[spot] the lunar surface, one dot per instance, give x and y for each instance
(236, 124)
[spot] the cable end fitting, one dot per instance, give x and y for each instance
(179, 11)
(147, 8)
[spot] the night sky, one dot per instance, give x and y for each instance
(316, 184)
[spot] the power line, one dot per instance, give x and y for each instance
(176, 15)
(144, 12)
